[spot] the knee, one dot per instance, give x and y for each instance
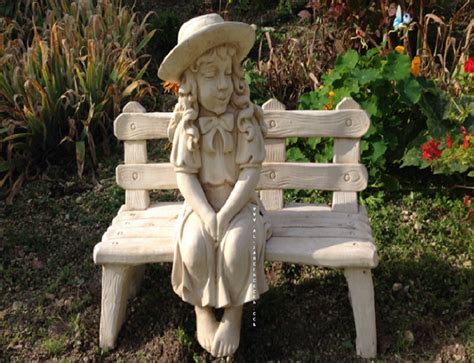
(193, 250)
(238, 247)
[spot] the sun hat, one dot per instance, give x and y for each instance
(200, 34)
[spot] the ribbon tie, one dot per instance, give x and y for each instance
(211, 126)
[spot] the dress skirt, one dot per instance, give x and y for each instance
(229, 273)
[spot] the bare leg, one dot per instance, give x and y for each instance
(227, 337)
(206, 326)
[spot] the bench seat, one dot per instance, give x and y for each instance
(304, 234)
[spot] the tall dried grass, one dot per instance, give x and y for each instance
(65, 73)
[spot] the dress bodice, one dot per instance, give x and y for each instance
(224, 148)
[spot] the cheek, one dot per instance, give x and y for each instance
(205, 89)
(230, 85)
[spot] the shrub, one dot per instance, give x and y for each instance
(65, 86)
(405, 110)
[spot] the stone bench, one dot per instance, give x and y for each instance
(336, 237)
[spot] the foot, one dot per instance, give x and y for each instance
(227, 338)
(206, 326)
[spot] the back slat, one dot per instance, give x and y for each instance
(281, 124)
(346, 151)
(135, 153)
(274, 175)
(275, 150)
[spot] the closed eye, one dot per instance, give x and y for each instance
(208, 72)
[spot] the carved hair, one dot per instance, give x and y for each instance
(187, 108)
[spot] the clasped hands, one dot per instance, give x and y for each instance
(216, 224)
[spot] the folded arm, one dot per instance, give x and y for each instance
(192, 192)
(238, 198)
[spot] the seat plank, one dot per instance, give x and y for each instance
(301, 234)
(166, 231)
(325, 252)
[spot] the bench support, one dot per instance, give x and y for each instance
(361, 291)
(116, 281)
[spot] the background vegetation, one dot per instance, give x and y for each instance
(67, 69)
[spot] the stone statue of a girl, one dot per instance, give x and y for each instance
(218, 149)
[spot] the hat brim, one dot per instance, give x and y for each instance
(185, 53)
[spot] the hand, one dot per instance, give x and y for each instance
(210, 224)
(222, 224)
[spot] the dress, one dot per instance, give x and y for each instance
(230, 273)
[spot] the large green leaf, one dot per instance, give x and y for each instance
(397, 67)
(413, 157)
(365, 76)
(435, 106)
(295, 154)
(379, 149)
(409, 90)
(370, 106)
(312, 142)
(348, 59)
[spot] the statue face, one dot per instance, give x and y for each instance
(215, 87)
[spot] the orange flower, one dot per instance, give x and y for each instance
(415, 66)
(329, 104)
(171, 87)
(400, 49)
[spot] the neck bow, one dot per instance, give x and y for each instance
(214, 125)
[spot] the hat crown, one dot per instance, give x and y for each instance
(200, 34)
(196, 24)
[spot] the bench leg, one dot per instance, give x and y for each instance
(115, 291)
(361, 292)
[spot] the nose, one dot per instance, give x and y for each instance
(222, 83)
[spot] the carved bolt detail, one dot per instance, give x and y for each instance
(348, 122)
(272, 124)
(347, 177)
(272, 175)
(135, 175)
(132, 126)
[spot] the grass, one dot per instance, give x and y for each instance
(50, 289)
(54, 346)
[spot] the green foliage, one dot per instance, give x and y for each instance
(183, 337)
(284, 8)
(167, 25)
(54, 346)
(259, 92)
(61, 90)
(404, 110)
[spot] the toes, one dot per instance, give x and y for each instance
(215, 349)
(222, 350)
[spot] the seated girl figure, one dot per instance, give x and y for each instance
(218, 149)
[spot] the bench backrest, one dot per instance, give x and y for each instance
(345, 176)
